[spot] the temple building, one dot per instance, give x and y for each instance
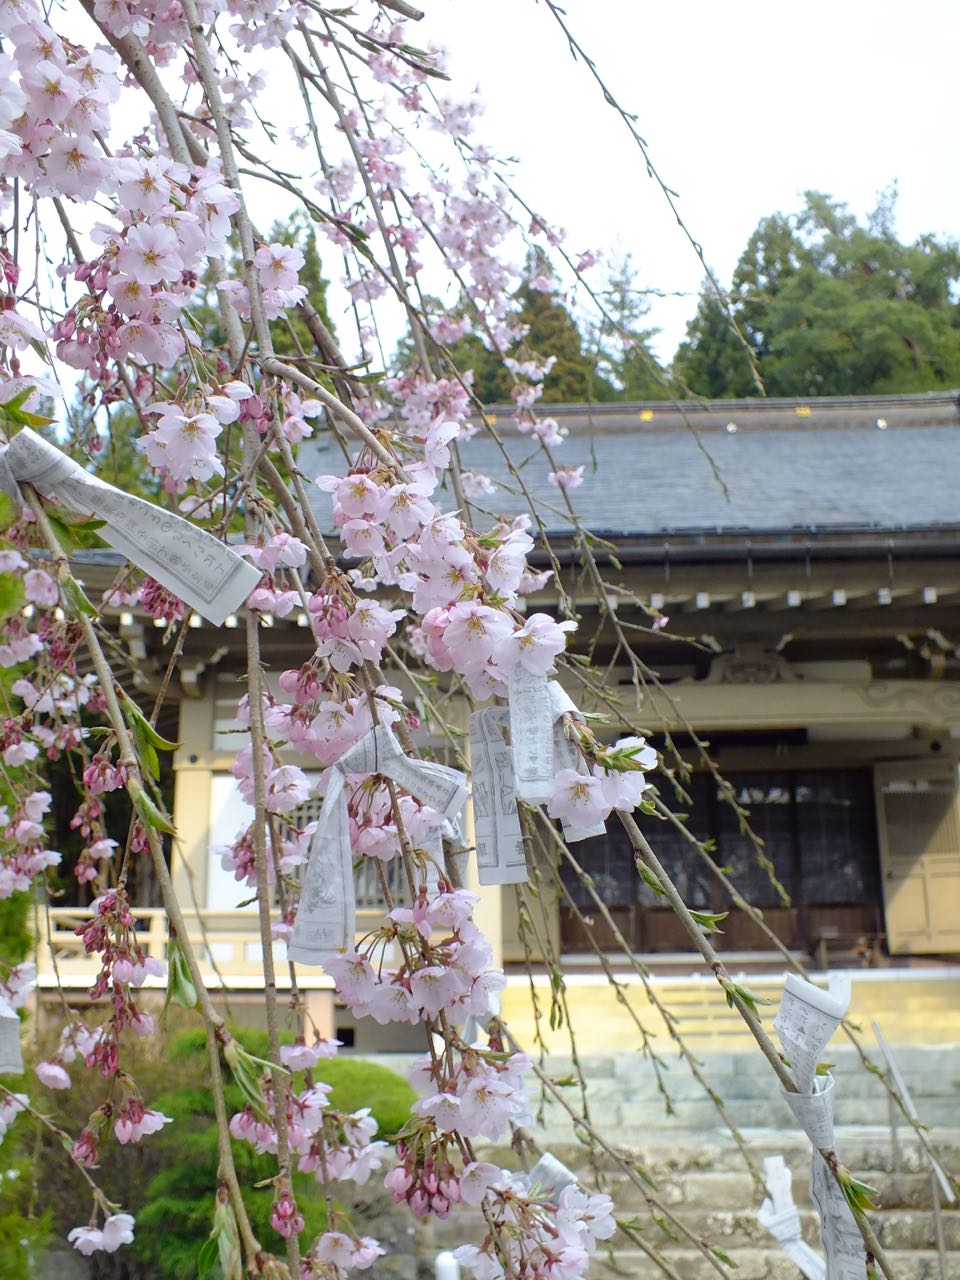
(807, 557)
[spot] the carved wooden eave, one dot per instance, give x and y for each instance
(804, 704)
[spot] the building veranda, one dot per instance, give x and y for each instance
(788, 574)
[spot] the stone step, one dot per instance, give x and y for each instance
(764, 1264)
(862, 1147)
(739, 1228)
(633, 1117)
(725, 1190)
(623, 1089)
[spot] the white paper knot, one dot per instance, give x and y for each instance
(814, 1111)
(326, 915)
(188, 561)
(527, 768)
(779, 1215)
(11, 1060)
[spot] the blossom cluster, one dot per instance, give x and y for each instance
(329, 1144)
(151, 224)
(448, 969)
(544, 1237)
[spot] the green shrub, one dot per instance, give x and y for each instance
(169, 1180)
(359, 1084)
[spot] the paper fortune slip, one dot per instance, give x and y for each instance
(806, 1019)
(525, 768)
(779, 1215)
(193, 564)
(500, 854)
(326, 916)
(11, 1061)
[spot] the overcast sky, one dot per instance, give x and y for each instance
(744, 105)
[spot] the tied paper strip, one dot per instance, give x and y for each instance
(566, 756)
(500, 854)
(531, 733)
(443, 858)
(11, 1060)
(548, 1177)
(527, 768)
(778, 1214)
(186, 560)
(806, 1020)
(326, 916)
(839, 1233)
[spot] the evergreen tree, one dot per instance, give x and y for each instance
(551, 330)
(831, 307)
(621, 345)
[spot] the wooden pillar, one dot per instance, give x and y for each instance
(193, 778)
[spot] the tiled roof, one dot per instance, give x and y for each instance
(887, 463)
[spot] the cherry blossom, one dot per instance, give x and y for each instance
(52, 1075)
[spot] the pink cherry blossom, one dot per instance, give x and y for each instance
(566, 477)
(578, 799)
(535, 646)
(474, 632)
(150, 254)
(52, 1075)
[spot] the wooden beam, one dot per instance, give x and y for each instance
(835, 599)
(697, 603)
(878, 599)
(786, 600)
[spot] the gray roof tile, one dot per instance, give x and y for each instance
(830, 469)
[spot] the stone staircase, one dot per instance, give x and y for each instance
(701, 1175)
(703, 1179)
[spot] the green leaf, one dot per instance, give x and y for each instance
(73, 594)
(14, 412)
(145, 737)
(723, 1256)
(709, 920)
(11, 594)
(179, 982)
(859, 1195)
(208, 1256)
(149, 814)
(8, 510)
(62, 530)
(736, 991)
(665, 1226)
(650, 880)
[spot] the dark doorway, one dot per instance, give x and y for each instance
(818, 829)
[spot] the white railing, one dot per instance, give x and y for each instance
(227, 943)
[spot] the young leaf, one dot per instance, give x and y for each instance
(709, 920)
(14, 411)
(736, 991)
(208, 1256)
(11, 594)
(180, 984)
(723, 1256)
(650, 880)
(859, 1195)
(73, 593)
(149, 814)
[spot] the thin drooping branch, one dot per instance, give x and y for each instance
(735, 998)
(216, 1032)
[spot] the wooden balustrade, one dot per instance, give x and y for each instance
(227, 942)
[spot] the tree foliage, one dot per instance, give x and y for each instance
(830, 306)
(167, 1182)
